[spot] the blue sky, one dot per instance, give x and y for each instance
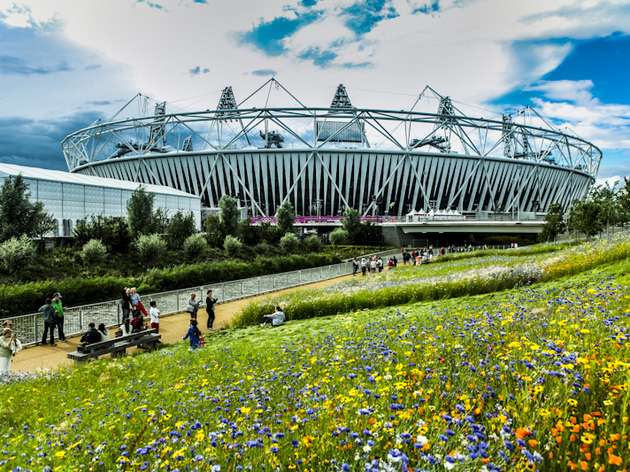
(65, 63)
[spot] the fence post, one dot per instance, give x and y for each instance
(321, 273)
(242, 290)
(258, 285)
(118, 313)
(36, 330)
(80, 319)
(300, 272)
(274, 281)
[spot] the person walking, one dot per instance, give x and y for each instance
(56, 302)
(194, 334)
(49, 321)
(155, 316)
(10, 345)
(363, 266)
(210, 302)
(193, 306)
(355, 266)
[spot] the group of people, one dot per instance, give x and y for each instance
(367, 265)
(53, 317)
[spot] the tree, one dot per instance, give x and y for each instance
(179, 229)
(214, 233)
(289, 242)
(93, 252)
(623, 203)
(195, 247)
(232, 245)
(285, 217)
(112, 231)
(140, 215)
(554, 223)
(247, 232)
(585, 217)
(351, 223)
(313, 243)
(228, 215)
(338, 237)
(17, 254)
(19, 215)
(604, 196)
(150, 247)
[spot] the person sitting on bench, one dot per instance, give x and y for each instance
(91, 335)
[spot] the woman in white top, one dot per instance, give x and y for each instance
(103, 332)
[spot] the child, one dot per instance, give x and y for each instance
(155, 316)
(194, 334)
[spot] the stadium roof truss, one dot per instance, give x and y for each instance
(431, 128)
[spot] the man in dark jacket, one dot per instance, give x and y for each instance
(49, 321)
(91, 335)
(126, 303)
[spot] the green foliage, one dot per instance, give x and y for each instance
(214, 233)
(93, 252)
(228, 215)
(17, 254)
(180, 227)
(28, 297)
(285, 217)
(351, 223)
(140, 212)
(270, 234)
(370, 234)
(247, 232)
(232, 245)
(150, 247)
(18, 215)
(604, 196)
(262, 248)
(623, 203)
(554, 223)
(339, 237)
(112, 231)
(195, 247)
(289, 242)
(313, 243)
(585, 217)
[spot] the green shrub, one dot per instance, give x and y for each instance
(289, 242)
(313, 243)
(262, 249)
(93, 252)
(195, 247)
(232, 245)
(339, 237)
(17, 254)
(150, 247)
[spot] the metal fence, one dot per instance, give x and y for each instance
(29, 328)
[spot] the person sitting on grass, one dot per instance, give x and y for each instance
(92, 335)
(275, 319)
(194, 334)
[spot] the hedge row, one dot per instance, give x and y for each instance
(28, 297)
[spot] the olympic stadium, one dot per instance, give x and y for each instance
(426, 160)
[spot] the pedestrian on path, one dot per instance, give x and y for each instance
(210, 302)
(10, 345)
(155, 316)
(193, 306)
(56, 302)
(49, 321)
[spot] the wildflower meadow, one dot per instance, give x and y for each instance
(531, 378)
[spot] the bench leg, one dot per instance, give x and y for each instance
(119, 353)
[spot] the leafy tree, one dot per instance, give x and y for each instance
(214, 233)
(554, 223)
(150, 247)
(623, 203)
(604, 196)
(195, 247)
(313, 243)
(19, 215)
(285, 217)
(585, 217)
(179, 229)
(247, 232)
(270, 234)
(17, 254)
(339, 236)
(232, 245)
(112, 231)
(351, 223)
(140, 214)
(289, 242)
(228, 215)
(370, 234)
(93, 252)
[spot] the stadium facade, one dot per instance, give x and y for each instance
(430, 157)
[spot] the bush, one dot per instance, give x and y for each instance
(338, 237)
(195, 247)
(17, 254)
(262, 249)
(93, 252)
(313, 243)
(150, 247)
(232, 245)
(179, 229)
(289, 242)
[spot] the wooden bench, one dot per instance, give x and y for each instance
(146, 339)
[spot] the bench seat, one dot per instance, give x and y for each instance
(147, 339)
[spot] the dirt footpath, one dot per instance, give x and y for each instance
(172, 329)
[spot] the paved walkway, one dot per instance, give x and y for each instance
(172, 329)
